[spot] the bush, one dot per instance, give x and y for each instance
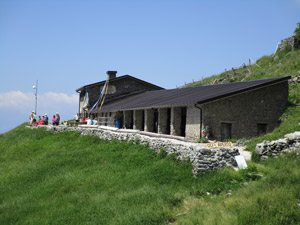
(297, 33)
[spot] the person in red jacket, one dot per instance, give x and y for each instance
(41, 121)
(53, 120)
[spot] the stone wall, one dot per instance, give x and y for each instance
(149, 120)
(202, 159)
(138, 119)
(193, 123)
(128, 119)
(164, 119)
(246, 110)
(176, 117)
(290, 143)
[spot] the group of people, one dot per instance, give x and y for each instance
(90, 120)
(55, 119)
(43, 120)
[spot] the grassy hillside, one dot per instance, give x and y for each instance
(71, 179)
(283, 63)
(66, 178)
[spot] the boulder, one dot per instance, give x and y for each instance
(260, 148)
(293, 136)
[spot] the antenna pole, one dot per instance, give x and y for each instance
(36, 96)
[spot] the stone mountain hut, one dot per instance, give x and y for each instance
(218, 112)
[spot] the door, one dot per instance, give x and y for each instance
(226, 131)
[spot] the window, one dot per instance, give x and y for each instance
(226, 131)
(261, 129)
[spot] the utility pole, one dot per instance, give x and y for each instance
(36, 93)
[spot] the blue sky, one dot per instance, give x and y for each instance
(70, 43)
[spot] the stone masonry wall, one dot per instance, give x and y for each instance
(176, 121)
(163, 121)
(202, 159)
(290, 143)
(149, 120)
(246, 110)
(193, 123)
(138, 121)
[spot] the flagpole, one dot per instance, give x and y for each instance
(36, 95)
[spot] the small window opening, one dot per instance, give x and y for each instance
(261, 129)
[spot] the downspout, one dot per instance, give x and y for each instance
(201, 119)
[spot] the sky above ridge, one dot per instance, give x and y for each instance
(67, 44)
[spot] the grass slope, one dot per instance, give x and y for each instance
(283, 63)
(275, 199)
(66, 178)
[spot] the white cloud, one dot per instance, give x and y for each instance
(20, 100)
(15, 99)
(58, 98)
(15, 107)
(21, 104)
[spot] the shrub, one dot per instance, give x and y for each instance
(297, 33)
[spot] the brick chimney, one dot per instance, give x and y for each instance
(112, 74)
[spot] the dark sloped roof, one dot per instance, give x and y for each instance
(119, 78)
(187, 96)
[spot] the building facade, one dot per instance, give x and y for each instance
(118, 87)
(217, 112)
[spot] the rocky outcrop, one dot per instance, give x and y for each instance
(202, 158)
(295, 79)
(290, 41)
(290, 143)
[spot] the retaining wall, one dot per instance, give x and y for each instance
(202, 158)
(290, 143)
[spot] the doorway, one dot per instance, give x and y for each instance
(226, 131)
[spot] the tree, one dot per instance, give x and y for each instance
(297, 33)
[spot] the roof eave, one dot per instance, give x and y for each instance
(244, 90)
